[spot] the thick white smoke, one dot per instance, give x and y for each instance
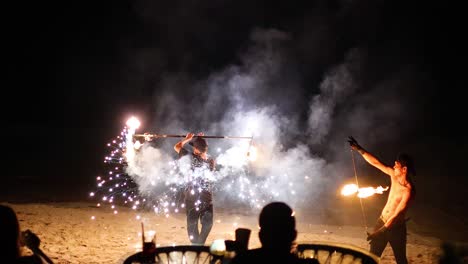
(260, 97)
(337, 85)
(238, 101)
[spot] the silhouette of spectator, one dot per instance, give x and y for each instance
(11, 240)
(277, 234)
(453, 253)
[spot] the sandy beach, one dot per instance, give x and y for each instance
(83, 233)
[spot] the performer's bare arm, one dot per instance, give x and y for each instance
(179, 145)
(401, 208)
(371, 159)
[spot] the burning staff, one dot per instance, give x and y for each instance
(251, 152)
(149, 137)
(134, 123)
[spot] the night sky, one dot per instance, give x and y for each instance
(390, 73)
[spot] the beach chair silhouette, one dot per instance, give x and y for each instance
(177, 254)
(333, 252)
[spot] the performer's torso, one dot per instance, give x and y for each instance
(199, 186)
(397, 191)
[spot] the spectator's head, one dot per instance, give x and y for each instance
(277, 226)
(10, 231)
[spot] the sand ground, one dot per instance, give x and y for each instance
(84, 233)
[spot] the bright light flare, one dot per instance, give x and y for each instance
(218, 247)
(151, 234)
(137, 145)
(234, 157)
(133, 123)
(364, 192)
(349, 189)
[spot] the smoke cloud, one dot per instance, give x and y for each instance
(241, 100)
(262, 96)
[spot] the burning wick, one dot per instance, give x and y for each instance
(363, 192)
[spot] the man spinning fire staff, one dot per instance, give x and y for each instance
(391, 225)
(198, 193)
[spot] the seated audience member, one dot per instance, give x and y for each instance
(10, 239)
(277, 234)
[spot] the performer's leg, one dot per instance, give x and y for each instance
(192, 222)
(378, 244)
(206, 223)
(397, 239)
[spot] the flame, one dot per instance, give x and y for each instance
(349, 189)
(137, 145)
(129, 153)
(362, 192)
(133, 123)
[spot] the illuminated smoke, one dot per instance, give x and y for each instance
(337, 85)
(260, 97)
(237, 101)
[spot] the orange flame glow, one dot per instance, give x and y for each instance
(364, 192)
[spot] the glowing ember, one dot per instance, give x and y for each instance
(363, 192)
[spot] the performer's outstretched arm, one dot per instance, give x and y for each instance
(179, 145)
(371, 159)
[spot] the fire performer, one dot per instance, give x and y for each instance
(198, 193)
(391, 225)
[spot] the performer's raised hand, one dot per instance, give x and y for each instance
(178, 146)
(354, 144)
(189, 136)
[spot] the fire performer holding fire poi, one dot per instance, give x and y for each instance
(198, 193)
(391, 225)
